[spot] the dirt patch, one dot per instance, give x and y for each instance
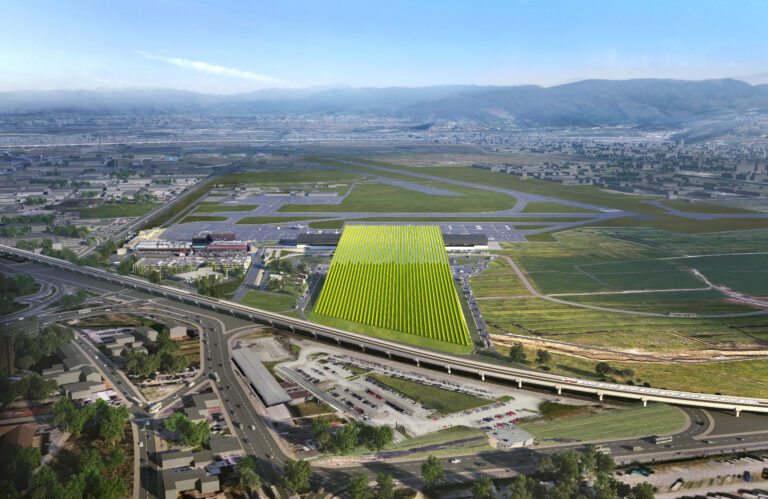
(266, 348)
(635, 356)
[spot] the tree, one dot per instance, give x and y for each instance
(112, 428)
(543, 357)
(482, 488)
(643, 490)
(358, 486)
(518, 488)
(345, 439)
(517, 353)
(8, 490)
(116, 458)
(297, 474)
(91, 459)
(45, 484)
(588, 461)
(604, 463)
(602, 368)
(248, 479)
(321, 432)
(385, 487)
(545, 467)
(39, 388)
(432, 472)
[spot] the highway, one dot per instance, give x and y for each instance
(241, 406)
(466, 364)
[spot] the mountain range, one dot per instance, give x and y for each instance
(588, 103)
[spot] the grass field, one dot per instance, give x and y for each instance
(745, 273)
(498, 280)
(288, 177)
(272, 220)
(337, 224)
(222, 208)
(201, 218)
(122, 210)
(555, 321)
(686, 225)
(274, 302)
(612, 424)
(702, 207)
(674, 243)
(379, 197)
(394, 277)
(549, 207)
(442, 401)
(695, 302)
(442, 437)
(748, 378)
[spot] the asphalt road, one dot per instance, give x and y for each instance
(719, 432)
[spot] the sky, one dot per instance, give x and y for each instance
(225, 47)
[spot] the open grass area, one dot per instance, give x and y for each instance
(687, 225)
(224, 208)
(191, 348)
(442, 401)
(583, 326)
(688, 302)
(497, 280)
(337, 224)
(748, 378)
(308, 409)
(744, 273)
(444, 437)
(703, 207)
(288, 177)
(380, 197)
(273, 302)
(675, 243)
(549, 207)
(201, 218)
(394, 277)
(612, 424)
(583, 194)
(121, 210)
(272, 220)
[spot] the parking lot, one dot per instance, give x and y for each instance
(342, 379)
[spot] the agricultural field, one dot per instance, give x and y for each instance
(555, 321)
(498, 280)
(611, 424)
(396, 278)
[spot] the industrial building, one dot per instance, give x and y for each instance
(262, 381)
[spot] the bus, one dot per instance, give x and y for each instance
(154, 407)
(662, 440)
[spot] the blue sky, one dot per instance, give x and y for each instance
(239, 46)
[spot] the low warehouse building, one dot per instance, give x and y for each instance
(261, 380)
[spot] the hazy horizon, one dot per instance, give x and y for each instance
(236, 47)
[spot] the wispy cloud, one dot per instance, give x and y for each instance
(219, 70)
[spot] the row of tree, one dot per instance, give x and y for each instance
(14, 230)
(69, 230)
(191, 434)
(29, 350)
(163, 356)
(31, 387)
(344, 439)
(97, 420)
(88, 482)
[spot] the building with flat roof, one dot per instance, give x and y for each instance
(83, 389)
(465, 242)
(176, 330)
(179, 481)
(509, 437)
(261, 380)
(223, 447)
(317, 241)
(202, 406)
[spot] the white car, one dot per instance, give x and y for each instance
(141, 444)
(253, 427)
(455, 461)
